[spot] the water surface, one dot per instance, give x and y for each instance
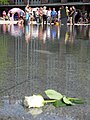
(34, 58)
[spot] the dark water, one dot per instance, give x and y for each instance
(35, 58)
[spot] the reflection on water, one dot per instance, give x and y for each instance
(49, 32)
(34, 58)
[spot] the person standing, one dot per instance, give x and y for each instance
(72, 15)
(49, 15)
(63, 16)
(44, 15)
(40, 15)
(37, 15)
(54, 15)
(4, 14)
(63, 28)
(27, 13)
(67, 13)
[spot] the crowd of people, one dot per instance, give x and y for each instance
(63, 15)
(44, 15)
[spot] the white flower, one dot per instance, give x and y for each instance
(34, 101)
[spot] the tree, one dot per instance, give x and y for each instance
(4, 2)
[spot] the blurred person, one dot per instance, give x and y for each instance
(63, 16)
(16, 16)
(4, 14)
(31, 15)
(72, 15)
(37, 15)
(44, 14)
(27, 13)
(40, 15)
(20, 21)
(67, 13)
(78, 15)
(53, 15)
(49, 15)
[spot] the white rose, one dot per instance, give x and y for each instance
(34, 101)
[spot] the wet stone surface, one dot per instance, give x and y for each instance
(34, 59)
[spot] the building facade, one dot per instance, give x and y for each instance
(23, 2)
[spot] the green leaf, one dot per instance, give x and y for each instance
(59, 103)
(52, 94)
(77, 101)
(67, 101)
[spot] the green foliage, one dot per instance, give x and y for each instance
(60, 100)
(52, 94)
(4, 2)
(55, 98)
(59, 103)
(76, 100)
(67, 101)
